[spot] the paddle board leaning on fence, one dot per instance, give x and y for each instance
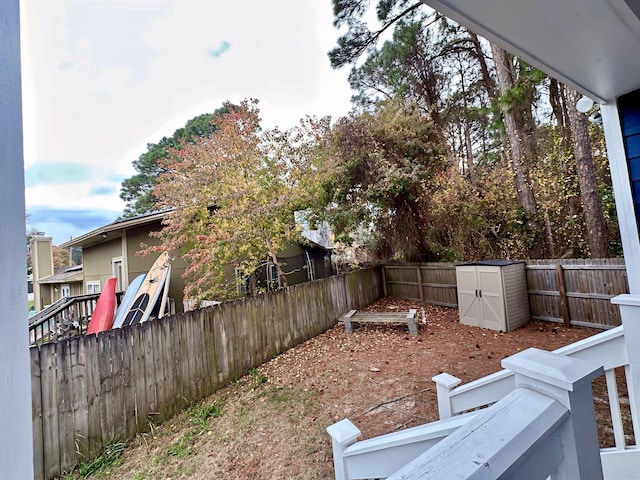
(127, 300)
(102, 317)
(149, 292)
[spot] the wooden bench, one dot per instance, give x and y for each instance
(391, 318)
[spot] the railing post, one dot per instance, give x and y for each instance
(343, 434)
(630, 315)
(567, 380)
(444, 384)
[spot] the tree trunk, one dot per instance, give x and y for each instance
(589, 192)
(558, 101)
(522, 149)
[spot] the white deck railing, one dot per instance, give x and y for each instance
(544, 428)
(606, 349)
(381, 456)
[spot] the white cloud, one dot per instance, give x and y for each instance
(103, 78)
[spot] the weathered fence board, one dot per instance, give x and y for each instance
(91, 390)
(433, 283)
(138, 379)
(50, 414)
(92, 381)
(589, 286)
(36, 408)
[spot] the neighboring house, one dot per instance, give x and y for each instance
(111, 251)
(52, 283)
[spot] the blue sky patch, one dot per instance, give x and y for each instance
(219, 50)
(63, 224)
(56, 174)
(103, 190)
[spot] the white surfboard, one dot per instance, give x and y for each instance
(149, 292)
(127, 300)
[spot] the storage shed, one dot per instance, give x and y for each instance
(493, 294)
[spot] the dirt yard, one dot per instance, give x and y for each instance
(271, 423)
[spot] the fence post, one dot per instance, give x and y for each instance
(420, 292)
(444, 384)
(343, 434)
(384, 280)
(562, 289)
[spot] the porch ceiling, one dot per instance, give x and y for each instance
(591, 45)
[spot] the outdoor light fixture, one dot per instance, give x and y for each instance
(586, 105)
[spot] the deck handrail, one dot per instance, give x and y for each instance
(65, 318)
(606, 349)
(531, 433)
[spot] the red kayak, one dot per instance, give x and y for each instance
(102, 318)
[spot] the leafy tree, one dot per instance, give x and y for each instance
(137, 190)
(359, 38)
(380, 173)
(232, 196)
(488, 106)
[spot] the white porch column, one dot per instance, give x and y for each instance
(16, 443)
(622, 193)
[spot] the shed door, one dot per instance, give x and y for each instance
(469, 306)
(490, 285)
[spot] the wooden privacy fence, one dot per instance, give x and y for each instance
(428, 282)
(573, 292)
(576, 292)
(92, 390)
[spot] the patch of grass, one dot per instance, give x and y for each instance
(258, 379)
(144, 474)
(110, 457)
(186, 469)
(279, 395)
(199, 415)
(181, 449)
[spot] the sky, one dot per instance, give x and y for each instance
(103, 78)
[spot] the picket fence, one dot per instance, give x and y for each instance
(573, 292)
(92, 390)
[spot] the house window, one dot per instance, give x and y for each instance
(93, 287)
(273, 279)
(311, 271)
(65, 291)
(117, 270)
(242, 282)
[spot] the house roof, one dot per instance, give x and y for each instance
(112, 230)
(64, 275)
(115, 229)
(591, 45)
